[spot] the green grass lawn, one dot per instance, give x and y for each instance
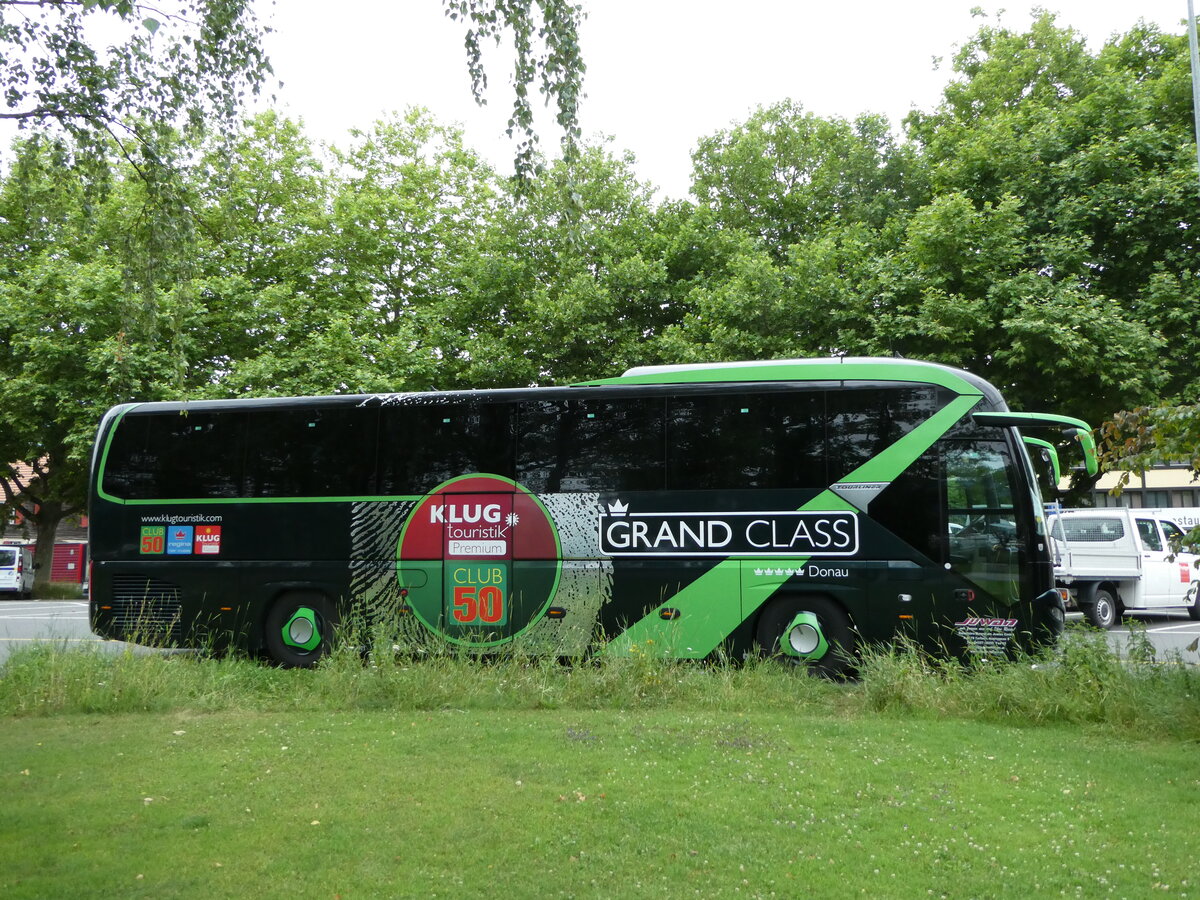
(593, 803)
(127, 776)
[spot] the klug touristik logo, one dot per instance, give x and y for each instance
(478, 560)
(780, 533)
(479, 528)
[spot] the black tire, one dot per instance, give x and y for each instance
(1103, 611)
(1193, 609)
(281, 613)
(839, 661)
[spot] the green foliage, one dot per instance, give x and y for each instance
(1077, 172)
(93, 311)
(1084, 682)
(566, 283)
(545, 39)
(1035, 228)
(785, 175)
(1135, 440)
(188, 63)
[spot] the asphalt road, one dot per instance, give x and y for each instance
(61, 622)
(65, 624)
(1169, 633)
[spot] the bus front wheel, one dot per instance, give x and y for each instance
(811, 631)
(299, 628)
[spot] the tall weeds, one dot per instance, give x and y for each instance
(1082, 682)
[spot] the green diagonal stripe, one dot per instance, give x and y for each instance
(706, 605)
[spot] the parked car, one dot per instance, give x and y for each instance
(16, 570)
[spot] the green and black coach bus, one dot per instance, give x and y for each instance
(799, 508)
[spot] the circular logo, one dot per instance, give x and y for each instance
(478, 560)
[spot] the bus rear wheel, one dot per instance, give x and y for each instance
(813, 632)
(299, 629)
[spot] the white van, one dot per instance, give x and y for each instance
(16, 570)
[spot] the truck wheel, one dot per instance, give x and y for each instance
(1193, 609)
(1102, 611)
(785, 630)
(299, 629)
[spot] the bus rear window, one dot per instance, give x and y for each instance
(176, 456)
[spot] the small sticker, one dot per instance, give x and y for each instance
(986, 635)
(208, 540)
(179, 540)
(153, 539)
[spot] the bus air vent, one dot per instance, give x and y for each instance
(145, 605)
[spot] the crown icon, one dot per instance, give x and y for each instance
(618, 508)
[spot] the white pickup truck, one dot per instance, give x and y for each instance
(1118, 559)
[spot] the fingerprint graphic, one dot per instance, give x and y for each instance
(374, 529)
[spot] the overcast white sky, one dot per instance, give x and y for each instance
(661, 73)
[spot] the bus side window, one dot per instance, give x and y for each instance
(591, 445)
(863, 422)
(911, 507)
(315, 452)
(423, 445)
(744, 441)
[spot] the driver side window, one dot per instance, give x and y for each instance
(1148, 531)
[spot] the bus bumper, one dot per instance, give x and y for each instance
(1050, 614)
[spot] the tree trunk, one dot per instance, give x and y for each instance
(46, 520)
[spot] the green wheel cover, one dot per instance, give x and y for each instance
(300, 616)
(810, 628)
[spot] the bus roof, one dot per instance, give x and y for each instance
(828, 370)
(842, 368)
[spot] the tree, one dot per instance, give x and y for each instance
(1134, 440)
(184, 64)
(968, 288)
(72, 342)
(96, 291)
(409, 205)
(566, 283)
(264, 229)
(545, 36)
(785, 175)
(1082, 166)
